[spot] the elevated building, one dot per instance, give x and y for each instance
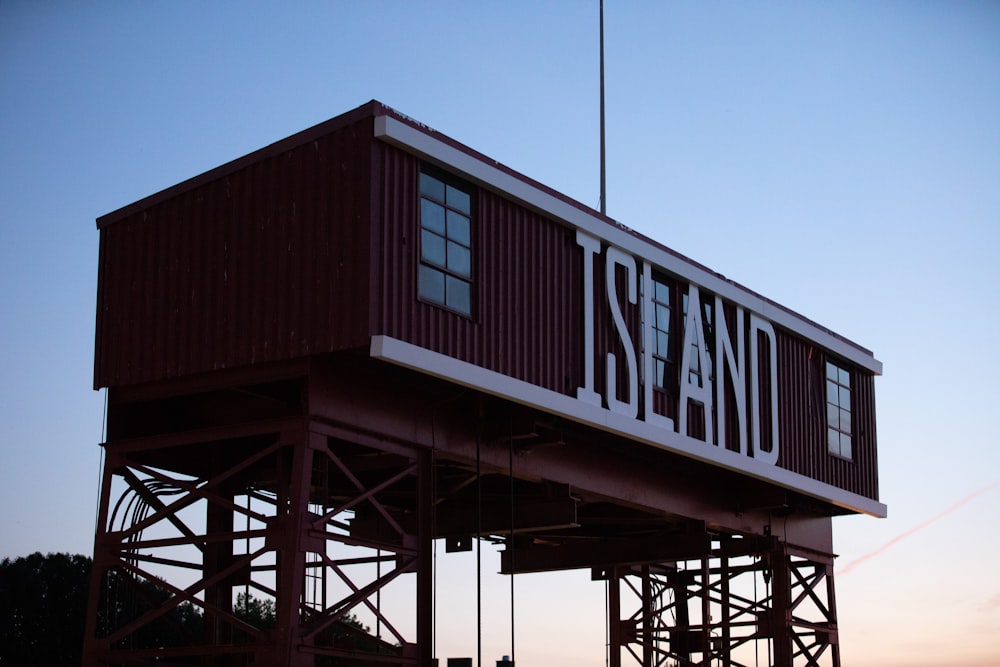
(324, 356)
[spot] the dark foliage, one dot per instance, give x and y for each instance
(43, 606)
(124, 598)
(43, 609)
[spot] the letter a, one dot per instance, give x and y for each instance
(700, 390)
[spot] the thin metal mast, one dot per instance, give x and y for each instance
(604, 190)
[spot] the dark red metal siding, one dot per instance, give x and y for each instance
(527, 319)
(528, 323)
(266, 262)
(530, 300)
(802, 420)
(526, 300)
(866, 454)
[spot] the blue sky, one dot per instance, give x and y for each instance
(842, 159)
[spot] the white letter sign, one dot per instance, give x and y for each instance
(629, 407)
(758, 326)
(724, 358)
(716, 382)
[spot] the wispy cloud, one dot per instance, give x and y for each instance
(992, 603)
(916, 529)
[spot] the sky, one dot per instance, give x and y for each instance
(842, 159)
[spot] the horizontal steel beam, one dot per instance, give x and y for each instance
(603, 553)
(456, 519)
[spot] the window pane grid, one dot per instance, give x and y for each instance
(838, 411)
(432, 248)
(431, 187)
(459, 228)
(459, 259)
(695, 372)
(432, 216)
(663, 355)
(445, 273)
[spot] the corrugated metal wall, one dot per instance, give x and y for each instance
(802, 420)
(265, 262)
(526, 306)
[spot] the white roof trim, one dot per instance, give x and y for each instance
(442, 366)
(392, 130)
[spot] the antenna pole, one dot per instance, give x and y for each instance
(604, 189)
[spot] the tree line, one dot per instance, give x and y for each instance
(43, 610)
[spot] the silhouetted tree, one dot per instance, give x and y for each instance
(255, 611)
(43, 610)
(43, 607)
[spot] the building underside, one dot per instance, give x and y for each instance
(250, 517)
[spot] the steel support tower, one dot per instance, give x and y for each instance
(298, 490)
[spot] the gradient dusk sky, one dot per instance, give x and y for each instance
(840, 158)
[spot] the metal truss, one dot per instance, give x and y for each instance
(258, 540)
(238, 549)
(749, 602)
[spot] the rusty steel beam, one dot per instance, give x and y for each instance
(460, 520)
(598, 553)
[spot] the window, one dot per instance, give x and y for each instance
(667, 346)
(838, 410)
(445, 243)
(695, 375)
(663, 348)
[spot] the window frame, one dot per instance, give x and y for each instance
(835, 374)
(667, 380)
(708, 330)
(426, 262)
(677, 291)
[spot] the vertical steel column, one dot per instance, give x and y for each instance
(704, 592)
(781, 606)
(217, 557)
(648, 626)
(615, 642)
(725, 649)
(291, 552)
(832, 609)
(425, 562)
(683, 618)
(93, 646)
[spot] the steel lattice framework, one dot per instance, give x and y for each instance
(259, 524)
(258, 536)
(749, 600)
(260, 516)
